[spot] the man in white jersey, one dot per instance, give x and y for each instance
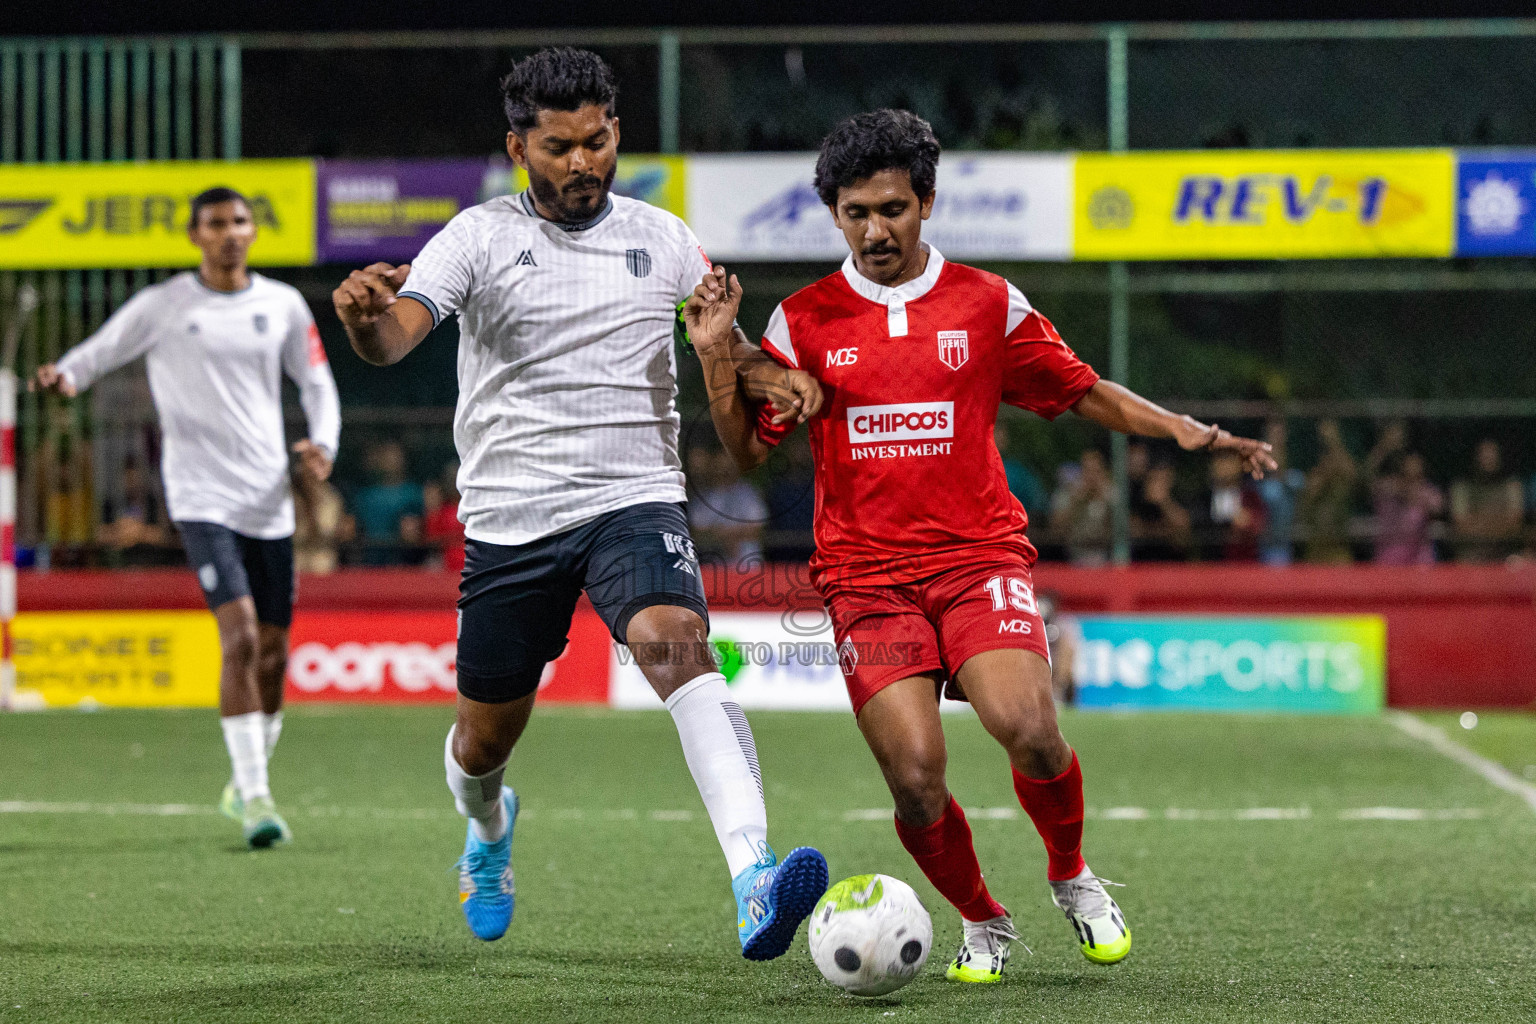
(567, 298)
(216, 343)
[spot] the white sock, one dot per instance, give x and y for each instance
(245, 737)
(718, 745)
(272, 728)
(478, 797)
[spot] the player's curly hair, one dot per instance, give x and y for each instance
(556, 78)
(877, 141)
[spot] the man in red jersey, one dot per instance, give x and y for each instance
(920, 555)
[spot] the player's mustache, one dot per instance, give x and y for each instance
(882, 250)
(586, 181)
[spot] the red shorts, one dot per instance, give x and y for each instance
(933, 625)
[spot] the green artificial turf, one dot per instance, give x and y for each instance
(1265, 880)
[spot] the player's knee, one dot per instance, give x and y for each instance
(918, 787)
(479, 752)
(665, 624)
(273, 661)
(239, 645)
(1030, 735)
(670, 645)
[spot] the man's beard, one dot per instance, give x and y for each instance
(567, 207)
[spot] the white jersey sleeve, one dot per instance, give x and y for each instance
(127, 334)
(695, 263)
(305, 364)
(443, 273)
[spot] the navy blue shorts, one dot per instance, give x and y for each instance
(230, 565)
(516, 601)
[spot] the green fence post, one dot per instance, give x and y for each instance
(1119, 298)
(670, 69)
(231, 100)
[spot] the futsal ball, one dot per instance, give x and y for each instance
(870, 934)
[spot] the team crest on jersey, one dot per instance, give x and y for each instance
(260, 322)
(524, 259)
(954, 348)
(638, 261)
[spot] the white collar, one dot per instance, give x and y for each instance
(895, 299)
(902, 293)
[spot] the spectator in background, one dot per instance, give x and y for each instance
(1391, 443)
(1327, 499)
(442, 529)
(1235, 513)
(1406, 506)
(1486, 508)
(134, 528)
(389, 510)
(791, 501)
(1159, 524)
(1022, 481)
(1081, 511)
(1278, 491)
(320, 524)
(726, 514)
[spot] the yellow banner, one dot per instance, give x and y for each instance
(1257, 204)
(659, 180)
(116, 659)
(135, 214)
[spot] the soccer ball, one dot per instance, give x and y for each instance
(870, 934)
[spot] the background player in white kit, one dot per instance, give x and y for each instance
(216, 343)
(567, 298)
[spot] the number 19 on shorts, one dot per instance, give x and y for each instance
(1010, 591)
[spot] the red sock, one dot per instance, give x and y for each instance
(1056, 808)
(944, 851)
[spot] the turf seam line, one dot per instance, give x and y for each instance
(1492, 772)
(872, 814)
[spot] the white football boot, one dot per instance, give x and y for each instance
(1095, 917)
(983, 951)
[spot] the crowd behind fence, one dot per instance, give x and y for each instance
(1363, 494)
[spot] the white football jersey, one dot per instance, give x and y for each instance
(566, 364)
(215, 362)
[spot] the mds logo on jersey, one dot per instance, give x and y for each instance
(912, 421)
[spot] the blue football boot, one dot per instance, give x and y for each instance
(486, 892)
(772, 899)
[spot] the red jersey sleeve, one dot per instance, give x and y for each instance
(1040, 373)
(778, 347)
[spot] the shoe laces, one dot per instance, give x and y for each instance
(477, 866)
(987, 937)
(1085, 897)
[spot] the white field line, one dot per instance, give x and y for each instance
(874, 814)
(1492, 772)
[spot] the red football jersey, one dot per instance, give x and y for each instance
(909, 481)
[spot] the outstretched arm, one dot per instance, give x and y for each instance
(738, 377)
(382, 327)
(1119, 408)
(125, 336)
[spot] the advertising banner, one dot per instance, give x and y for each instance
(988, 206)
(1495, 203)
(786, 661)
(116, 659)
(1256, 204)
(1326, 663)
(135, 214)
(659, 180)
(769, 660)
(388, 209)
(408, 657)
